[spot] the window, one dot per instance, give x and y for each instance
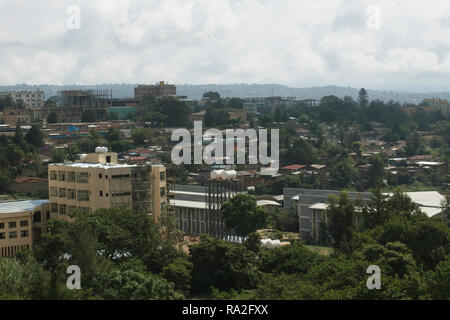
(162, 192)
(61, 176)
(2, 236)
(71, 194)
(83, 195)
(53, 192)
(162, 175)
(11, 224)
(101, 193)
(54, 207)
(62, 209)
(53, 175)
(24, 223)
(72, 209)
(2, 225)
(107, 194)
(99, 175)
(24, 233)
(71, 176)
(13, 235)
(84, 209)
(108, 159)
(62, 192)
(36, 217)
(82, 177)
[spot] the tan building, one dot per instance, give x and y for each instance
(99, 181)
(21, 225)
(14, 117)
(158, 90)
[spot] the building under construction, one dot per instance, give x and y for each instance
(84, 98)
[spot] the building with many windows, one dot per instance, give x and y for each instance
(31, 99)
(158, 90)
(98, 181)
(21, 225)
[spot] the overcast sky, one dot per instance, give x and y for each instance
(299, 43)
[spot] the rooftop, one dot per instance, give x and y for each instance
(20, 206)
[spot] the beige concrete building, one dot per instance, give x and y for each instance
(14, 117)
(158, 90)
(99, 181)
(31, 99)
(21, 225)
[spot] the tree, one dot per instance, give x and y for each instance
(211, 95)
(35, 136)
(363, 99)
(89, 115)
(139, 136)
(376, 170)
(289, 259)
(234, 266)
(340, 220)
(113, 134)
(241, 214)
(58, 155)
(18, 138)
(236, 103)
(52, 117)
(179, 273)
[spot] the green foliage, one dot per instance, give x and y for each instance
(179, 273)
(232, 264)
(241, 214)
(290, 259)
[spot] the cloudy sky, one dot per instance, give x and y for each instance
(379, 44)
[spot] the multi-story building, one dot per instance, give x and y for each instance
(311, 207)
(14, 117)
(310, 103)
(98, 181)
(84, 98)
(21, 225)
(158, 90)
(31, 99)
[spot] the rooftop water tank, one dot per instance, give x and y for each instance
(101, 150)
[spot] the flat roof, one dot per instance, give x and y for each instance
(188, 204)
(20, 206)
(94, 165)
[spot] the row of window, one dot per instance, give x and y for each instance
(69, 176)
(13, 224)
(13, 234)
(63, 209)
(9, 251)
(72, 194)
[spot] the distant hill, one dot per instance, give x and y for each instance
(245, 91)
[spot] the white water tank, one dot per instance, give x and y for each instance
(101, 150)
(270, 244)
(82, 156)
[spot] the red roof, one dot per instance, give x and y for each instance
(294, 167)
(29, 179)
(142, 150)
(138, 158)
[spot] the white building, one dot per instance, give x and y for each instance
(31, 99)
